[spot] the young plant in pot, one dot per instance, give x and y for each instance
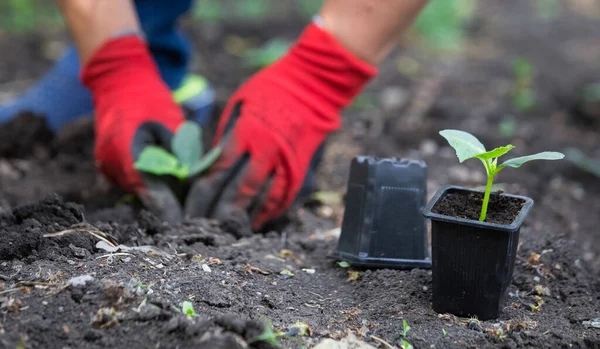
(474, 234)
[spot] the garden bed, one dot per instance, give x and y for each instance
(59, 290)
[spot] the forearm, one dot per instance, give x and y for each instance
(92, 22)
(369, 28)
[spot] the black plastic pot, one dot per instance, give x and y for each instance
(383, 226)
(472, 261)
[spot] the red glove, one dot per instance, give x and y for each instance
(273, 125)
(133, 109)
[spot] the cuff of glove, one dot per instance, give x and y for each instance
(119, 59)
(322, 72)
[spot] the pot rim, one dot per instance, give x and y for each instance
(509, 228)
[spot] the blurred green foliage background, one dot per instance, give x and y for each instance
(442, 25)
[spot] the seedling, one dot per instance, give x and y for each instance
(269, 336)
(405, 345)
(187, 159)
(405, 328)
(444, 332)
(187, 308)
(468, 147)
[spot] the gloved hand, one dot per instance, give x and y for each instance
(273, 125)
(133, 109)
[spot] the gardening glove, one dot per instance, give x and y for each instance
(272, 126)
(133, 109)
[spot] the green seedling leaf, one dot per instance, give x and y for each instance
(466, 145)
(268, 336)
(188, 309)
(328, 197)
(405, 345)
(343, 264)
(160, 162)
(187, 144)
(206, 161)
(405, 328)
(444, 332)
(546, 155)
(495, 153)
(523, 100)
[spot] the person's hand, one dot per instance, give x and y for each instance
(133, 109)
(272, 126)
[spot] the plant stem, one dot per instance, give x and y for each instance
(486, 197)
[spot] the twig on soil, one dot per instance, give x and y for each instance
(114, 254)
(81, 230)
(10, 290)
(382, 342)
(35, 283)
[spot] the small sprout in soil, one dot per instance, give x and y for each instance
(188, 309)
(468, 147)
(286, 274)
(343, 264)
(187, 159)
(269, 336)
(405, 328)
(538, 306)
(405, 345)
(444, 332)
(497, 332)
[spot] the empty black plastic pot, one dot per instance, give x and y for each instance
(383, 226)
(472, 261)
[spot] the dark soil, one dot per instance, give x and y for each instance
(461, 204)
(60, 289)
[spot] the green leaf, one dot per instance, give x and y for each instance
(466, 145)
(267, 54)
(495, 153)
(206, 161)
(188, 309)
(405, 345)
(158, 161)
(405, 328)
(444, 332)
(187, 144)
(343, 264)
(546, 155)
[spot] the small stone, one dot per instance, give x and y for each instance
(80, 280)
(536, 278)
(206, 268)
(425, 288)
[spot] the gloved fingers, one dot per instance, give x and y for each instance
(206, 193)
(276, 201)
(159, 198)
(151, 133)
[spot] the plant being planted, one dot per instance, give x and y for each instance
(187, 159)
(468, 147)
